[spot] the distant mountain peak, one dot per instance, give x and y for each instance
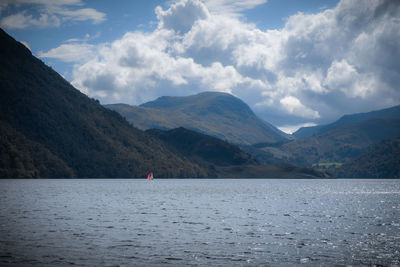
(218, 114)
(200, 100)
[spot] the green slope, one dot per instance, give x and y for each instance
(380, 161)
(218, 114)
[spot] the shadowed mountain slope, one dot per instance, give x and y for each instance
(343, 142)
(380, 161)
(203, 147)
(217, 114)
(223, 159)
(336, 145)
(50, 129)
(388, 113)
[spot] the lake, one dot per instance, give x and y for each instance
(228, 222)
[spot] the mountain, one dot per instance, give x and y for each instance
(223, 159)
(334, 146)
(380, 161)
(342, 142)
(50, 129)
(388, 113)
(217, 114)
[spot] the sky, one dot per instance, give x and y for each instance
(295, 63)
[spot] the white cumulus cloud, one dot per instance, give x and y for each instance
(294, 106)
(71, 52)
(182, 15)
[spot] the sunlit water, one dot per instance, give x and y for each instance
(199, 222)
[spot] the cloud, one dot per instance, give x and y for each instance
(313, 70)
(81, 15)
(26, 44)
(294, 106)
(232, 7)
(289, 129)
(85, 39)
(48, 14)
(44, 2)
(71, 52)
(181, 16)
(139, 68)
(343, 76)
(23, 20)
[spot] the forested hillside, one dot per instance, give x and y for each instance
(50, 129)
(380, 161)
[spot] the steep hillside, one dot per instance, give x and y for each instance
(50, 129)
(223, 159)
(218, 114)
(203, 147)
(381, 161)
(388, 113)
(23, 158)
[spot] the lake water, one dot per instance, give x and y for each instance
(105, 222)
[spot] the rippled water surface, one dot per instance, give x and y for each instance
(198, 222)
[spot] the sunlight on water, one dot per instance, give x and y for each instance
(215, 222)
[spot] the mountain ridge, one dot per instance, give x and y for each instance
(215, 113)
(335, 146)
(387, 113)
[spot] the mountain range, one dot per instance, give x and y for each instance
(228, 118)
(388, 113)
(344, 142)
(50, 129)
(217, 114)
(326, 146)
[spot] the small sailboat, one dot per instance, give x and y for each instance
(150, 176)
